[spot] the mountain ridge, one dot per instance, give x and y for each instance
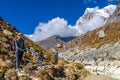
(54, 40)
(94, 18)
(116, 15)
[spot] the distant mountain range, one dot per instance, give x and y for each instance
(91, 19)
(53, 41)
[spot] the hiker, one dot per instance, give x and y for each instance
(19, 50)
(40, 59)
(55, 53)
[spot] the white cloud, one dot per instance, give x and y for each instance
(91, 19)
(56, 26)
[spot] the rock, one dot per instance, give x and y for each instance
(59, 45)
(115, 16)
(117, 55)
(101, 34)
(7, 32)
(117, 76)
(117, 71)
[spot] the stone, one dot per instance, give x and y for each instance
(117, 55)
(7, 32)
(117, 71)
(101, 34)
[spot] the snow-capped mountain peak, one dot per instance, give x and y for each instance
(94, 18)
(91, 12)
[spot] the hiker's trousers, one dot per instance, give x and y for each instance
(19, 55)
(40, 62)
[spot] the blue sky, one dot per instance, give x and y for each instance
(25, 15)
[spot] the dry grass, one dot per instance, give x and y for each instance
(76, 71)
(61, 63)
(9, 40)
(91, 38)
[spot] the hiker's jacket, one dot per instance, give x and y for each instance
(19, 44)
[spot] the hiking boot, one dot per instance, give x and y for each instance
(17, 70)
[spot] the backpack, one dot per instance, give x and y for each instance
(13, 46)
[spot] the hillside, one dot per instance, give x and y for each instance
(92, 39)
(30, 68)
(98, 50)
(7, 33)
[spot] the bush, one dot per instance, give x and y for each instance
(61, 63)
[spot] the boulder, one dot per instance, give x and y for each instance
(101, 34)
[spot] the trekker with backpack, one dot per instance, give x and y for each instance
(55, 54)
(19, 49)
(40, 59)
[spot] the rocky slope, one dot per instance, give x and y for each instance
(53, 41)
(98, 50)
(30, 68)
(115, 16)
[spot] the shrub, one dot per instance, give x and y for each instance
(45, 75)
(61, 63)
(12, 74)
